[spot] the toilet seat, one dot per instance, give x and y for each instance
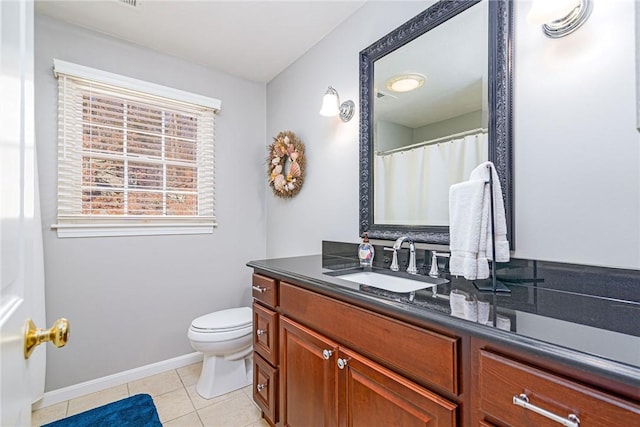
(229, 320)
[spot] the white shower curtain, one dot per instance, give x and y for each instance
(412, 186)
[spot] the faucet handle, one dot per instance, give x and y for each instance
(394, 259)
(442, 254)
(434, 262)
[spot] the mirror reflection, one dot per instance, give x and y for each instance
(430, 119)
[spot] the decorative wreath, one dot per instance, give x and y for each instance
(286, 164)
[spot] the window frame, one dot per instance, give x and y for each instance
(79, 225)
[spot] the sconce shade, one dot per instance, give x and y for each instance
(330, 103)
(559, 18)
(332, 107)
(544, 11)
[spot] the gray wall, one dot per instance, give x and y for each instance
(576, 148)
(130, 300)
(327, 206)
(447, 127)
(389, 135)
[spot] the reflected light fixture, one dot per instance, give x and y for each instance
(332, 107)
(559, 18)
(405, 82)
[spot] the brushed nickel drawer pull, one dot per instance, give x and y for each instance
(261, 387)
(261, 332)
(260, 289)
(571, 420)
(326, 354)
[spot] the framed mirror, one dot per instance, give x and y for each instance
(435, 101)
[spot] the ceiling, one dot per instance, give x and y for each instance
(255, 40)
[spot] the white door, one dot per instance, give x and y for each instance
(21, 260)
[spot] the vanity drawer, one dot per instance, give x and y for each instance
(265, 333)
(424, 356)
(265, 289)
(502, 379)
(265, 388)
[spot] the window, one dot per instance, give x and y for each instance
(134, 158)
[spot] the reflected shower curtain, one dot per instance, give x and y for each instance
(412, 186)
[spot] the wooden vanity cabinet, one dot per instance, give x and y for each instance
(265, 346)
(511, 392)
(320, 361)
(326, 383)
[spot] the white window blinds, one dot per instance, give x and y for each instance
(131, 161)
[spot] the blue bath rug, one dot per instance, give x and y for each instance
(134, 411)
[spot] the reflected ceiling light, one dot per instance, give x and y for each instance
(405, 82)
(332, 107)
(559, 18)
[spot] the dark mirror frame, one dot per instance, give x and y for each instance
(500, 111)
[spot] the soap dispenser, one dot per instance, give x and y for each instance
(366, 252)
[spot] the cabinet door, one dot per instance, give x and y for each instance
(371, 395)
(265, 333)
(265, 388)
(308, 377)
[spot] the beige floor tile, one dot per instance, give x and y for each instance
(49, 414)
(260, 423)
(93, 400)
(248, 390)
(200, 402)
(238, 411)
(156, 385)
(190, 374)
(172, 405)
(189, 420)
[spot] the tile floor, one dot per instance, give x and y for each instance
(175, 397)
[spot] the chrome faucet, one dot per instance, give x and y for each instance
(412, 255)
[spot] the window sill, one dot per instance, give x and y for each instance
(110, 230)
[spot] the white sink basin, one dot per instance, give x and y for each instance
(386, 282)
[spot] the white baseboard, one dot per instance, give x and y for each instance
(99, 384)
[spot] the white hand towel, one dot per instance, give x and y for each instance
(470, 232)
(465, 217)
(481, 173)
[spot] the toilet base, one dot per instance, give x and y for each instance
(220, 376)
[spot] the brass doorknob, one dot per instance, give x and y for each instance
(58, 334)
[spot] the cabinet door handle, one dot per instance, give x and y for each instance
(261, 332)
(327, 354)
(342, 363)
(260, 289)
(571, 420)
(261, 387)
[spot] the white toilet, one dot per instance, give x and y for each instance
(225, 338)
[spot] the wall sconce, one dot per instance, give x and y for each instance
(332, 107)
(559, 18)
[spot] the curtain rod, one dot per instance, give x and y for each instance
(433, 141)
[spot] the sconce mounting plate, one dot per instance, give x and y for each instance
(346, 110)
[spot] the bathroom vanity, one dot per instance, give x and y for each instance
(328, 351)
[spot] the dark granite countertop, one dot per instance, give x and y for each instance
(555, 311)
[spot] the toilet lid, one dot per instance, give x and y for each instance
(224, 320)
